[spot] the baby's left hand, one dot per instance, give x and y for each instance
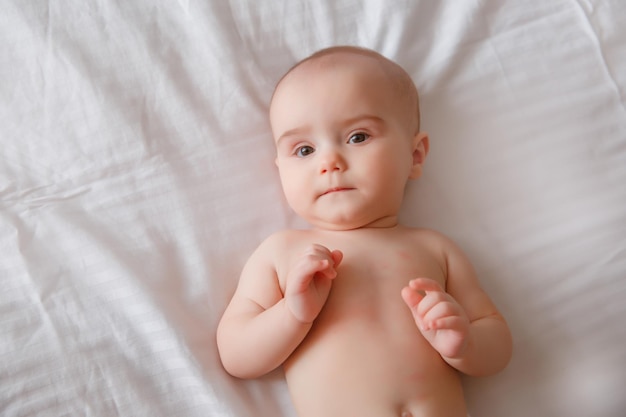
(438, 316)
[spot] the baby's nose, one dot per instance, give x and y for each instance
(332, 161)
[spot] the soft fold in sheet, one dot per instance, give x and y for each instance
(137, 175)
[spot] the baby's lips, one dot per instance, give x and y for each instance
(336, 190)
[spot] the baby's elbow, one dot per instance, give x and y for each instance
(237, 366)
(228, 357)
(500, 357)
(491, 354)
(507, 350)
(233, 362)
(234, 368)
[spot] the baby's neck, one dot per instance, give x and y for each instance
(388, 222)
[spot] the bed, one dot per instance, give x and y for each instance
(137, 176)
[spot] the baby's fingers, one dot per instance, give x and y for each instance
(337, 257)
(425, 284)
(443, 315)
(411, 298)
(457, 323)
(311, 264)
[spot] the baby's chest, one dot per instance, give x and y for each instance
(388, 265)
(375, 277)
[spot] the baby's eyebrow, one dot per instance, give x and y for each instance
(364, 118)
(305, 130)
(297, 131)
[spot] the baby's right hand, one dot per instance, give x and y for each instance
(309, 282)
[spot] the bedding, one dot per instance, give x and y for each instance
(137, 175)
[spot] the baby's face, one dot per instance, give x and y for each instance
(345, 149)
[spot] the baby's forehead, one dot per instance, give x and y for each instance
(368, 69)
(342, 60)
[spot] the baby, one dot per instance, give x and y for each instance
(368, 317)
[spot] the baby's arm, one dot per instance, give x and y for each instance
(461, 322)
(260, 327)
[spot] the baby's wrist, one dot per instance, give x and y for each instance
(463, 352)
(293, 317)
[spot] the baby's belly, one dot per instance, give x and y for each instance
(365, 368)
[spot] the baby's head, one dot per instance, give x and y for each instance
(346, 127)
(396, 77)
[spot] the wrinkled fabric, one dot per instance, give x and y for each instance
(137, 176)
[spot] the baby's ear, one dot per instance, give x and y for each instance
(420, 146)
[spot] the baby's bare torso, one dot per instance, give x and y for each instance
(364, 355)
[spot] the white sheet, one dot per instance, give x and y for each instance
(136, 176)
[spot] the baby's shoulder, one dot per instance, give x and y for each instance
(427, 236)
(284, 241)
(439, 245)
(432, 240)
(279, 249)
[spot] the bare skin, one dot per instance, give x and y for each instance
(368, 317)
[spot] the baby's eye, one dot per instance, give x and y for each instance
(304, 150)
(358, 138)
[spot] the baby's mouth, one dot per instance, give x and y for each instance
(336, 190)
